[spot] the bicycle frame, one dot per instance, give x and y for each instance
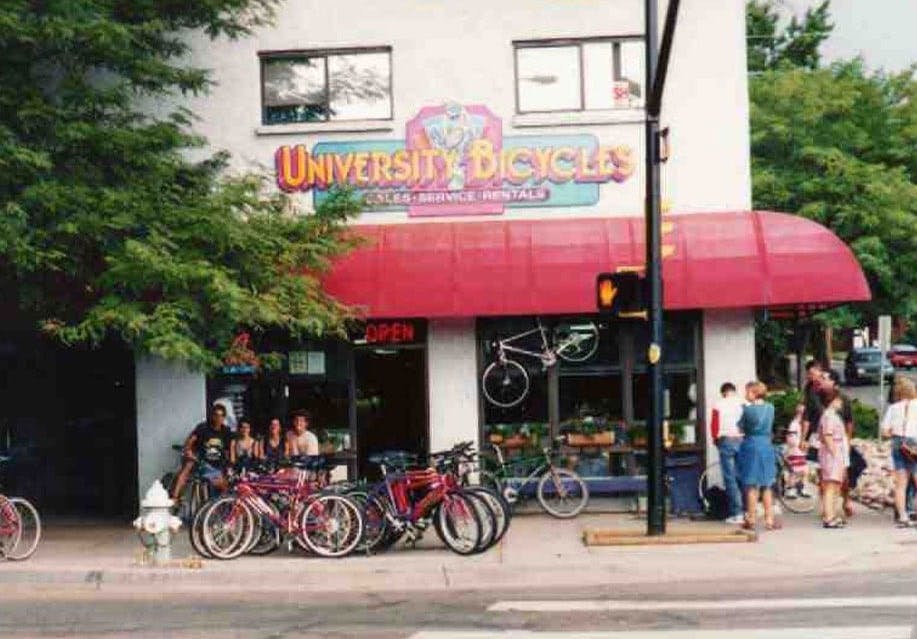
(299, 490)
(547, 356)
(503, 473)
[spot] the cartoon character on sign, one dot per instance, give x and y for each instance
(454, 130)
(449, 132)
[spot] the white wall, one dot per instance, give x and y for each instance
(729, 356)
(170, 401)
(452, 370)
(463, 52)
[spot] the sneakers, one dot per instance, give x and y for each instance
(903, 523)
(735, 520)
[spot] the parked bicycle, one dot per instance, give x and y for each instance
(797, 492)
(412, 496)
(261, 509)
(20, 526)
(196, 492)
(560, 491)
(505, 381)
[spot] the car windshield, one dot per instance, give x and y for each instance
(904, 348)
(868, 356)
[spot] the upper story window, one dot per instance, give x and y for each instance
(326, 85)
(583, 74)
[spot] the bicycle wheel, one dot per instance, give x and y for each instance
(703, 487)
(797, 493)
(196, 532)
(576, 342)
(29, 528)
(331, 526)
(499, 506)
(562, 493)
(375, 523)
(200, 495)
(10, 526)
(227, 528)
(505, 384)
(458, 525)
(488, 520)
(266, 538)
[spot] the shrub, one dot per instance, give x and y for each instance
(865, 420)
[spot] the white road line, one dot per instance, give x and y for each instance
(622, 605)
(855, 632)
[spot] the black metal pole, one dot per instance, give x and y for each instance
(655, 521)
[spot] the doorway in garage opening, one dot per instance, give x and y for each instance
(391, 391)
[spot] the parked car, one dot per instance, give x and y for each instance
(903, 356)
(863, 366)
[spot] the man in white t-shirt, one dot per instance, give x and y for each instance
(724, 426)
(301, 441)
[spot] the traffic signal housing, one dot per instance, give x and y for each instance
(620, 294)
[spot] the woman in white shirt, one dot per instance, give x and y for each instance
(900, 423)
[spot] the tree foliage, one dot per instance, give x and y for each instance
(771, 46)
(837, 145)
(106, 227)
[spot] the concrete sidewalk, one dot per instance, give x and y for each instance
(537, 551)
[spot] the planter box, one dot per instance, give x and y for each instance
(605, 438)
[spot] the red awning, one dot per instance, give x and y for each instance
(525, 267)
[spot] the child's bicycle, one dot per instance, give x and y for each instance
(20, 526)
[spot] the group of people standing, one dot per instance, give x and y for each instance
(216, 448)
(743, 428)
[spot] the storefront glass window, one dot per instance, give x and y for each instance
(548, 79)
(594, 396)
(322, 86)
(580, 74)
(531, 413)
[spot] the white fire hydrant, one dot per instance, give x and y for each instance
(156, 525)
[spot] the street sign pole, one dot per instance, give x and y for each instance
(657, 62)
(885, 342)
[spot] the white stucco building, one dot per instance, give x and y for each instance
(501, 146)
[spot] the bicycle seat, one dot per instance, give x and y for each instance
(178, 447)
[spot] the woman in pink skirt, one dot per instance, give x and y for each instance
(831, 458)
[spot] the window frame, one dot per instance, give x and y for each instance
(548, 43)
(325, 53)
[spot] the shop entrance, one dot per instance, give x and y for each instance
(391, 402)
(69, 426)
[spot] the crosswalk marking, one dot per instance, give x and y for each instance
(850, 632)
(622, 605)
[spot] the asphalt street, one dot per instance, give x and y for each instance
(869, 393)
(864, 606)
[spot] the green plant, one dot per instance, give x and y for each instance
(785, 403)
(865, 420)
(636, 431)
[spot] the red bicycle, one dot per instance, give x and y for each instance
(408, 500)
(20, 526)
(261, 509)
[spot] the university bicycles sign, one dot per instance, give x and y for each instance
(454, 160)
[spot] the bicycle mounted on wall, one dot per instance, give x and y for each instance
(505, 381)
